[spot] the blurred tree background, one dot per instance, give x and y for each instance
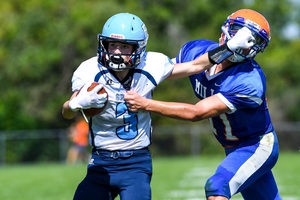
(43, 42)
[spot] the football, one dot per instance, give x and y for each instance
(94, 111)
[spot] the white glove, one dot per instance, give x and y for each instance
(242, 39)
(88, 99)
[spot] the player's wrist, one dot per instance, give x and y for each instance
(149, 105)
(219, 54)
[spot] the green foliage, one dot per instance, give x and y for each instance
(43, 42)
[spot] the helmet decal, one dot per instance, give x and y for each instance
(117, 36)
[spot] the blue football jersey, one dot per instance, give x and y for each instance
(242, 87)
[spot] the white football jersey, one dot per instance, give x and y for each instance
(116, 128)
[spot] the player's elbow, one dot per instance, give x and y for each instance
(194, 116)
(197, 114)
(195, 119)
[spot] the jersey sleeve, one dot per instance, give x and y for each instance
(77, 81)
(158, 66)
(82, 74)
(167, 69)
(245, 90)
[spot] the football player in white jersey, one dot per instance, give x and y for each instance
(232, 96)
(121, 163)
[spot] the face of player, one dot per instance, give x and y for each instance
(120, 48)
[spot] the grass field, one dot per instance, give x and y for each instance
(180, 178)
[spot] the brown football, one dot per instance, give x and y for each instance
(94, 111)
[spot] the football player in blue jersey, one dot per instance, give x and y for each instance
(232, 96)
(120, 162)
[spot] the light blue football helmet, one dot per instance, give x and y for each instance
(125, 28)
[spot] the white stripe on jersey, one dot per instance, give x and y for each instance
(228, 104)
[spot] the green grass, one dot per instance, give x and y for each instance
(184, 178)
(175, 178)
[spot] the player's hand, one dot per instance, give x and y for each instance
(88, 99)
(242, 39)
(134, 101)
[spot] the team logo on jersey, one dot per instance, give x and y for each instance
(109, 82)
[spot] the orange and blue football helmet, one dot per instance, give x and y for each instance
(256, 23)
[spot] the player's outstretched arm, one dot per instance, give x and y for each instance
(242, 39)
(209, 107)
(189, 68)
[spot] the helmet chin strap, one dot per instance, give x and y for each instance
(236, 57)
(116, 62)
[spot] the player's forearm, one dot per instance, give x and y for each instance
(174, 110)
(196, 66)
(67, 112)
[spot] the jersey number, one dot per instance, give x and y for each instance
(227, 128)
(129, 130)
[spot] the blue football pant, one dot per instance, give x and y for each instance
(247, 169)
(108, 177)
